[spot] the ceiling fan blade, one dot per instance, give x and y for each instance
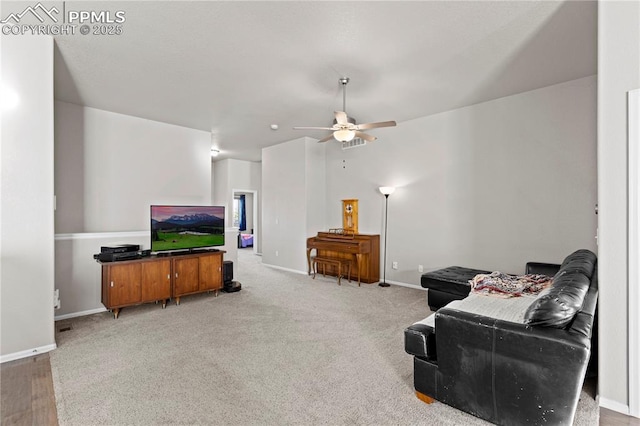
(326, 138)
(366, 126)
(365, 136)
(313, 128)
(341, 117)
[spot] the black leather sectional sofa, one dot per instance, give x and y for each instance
(513, 373)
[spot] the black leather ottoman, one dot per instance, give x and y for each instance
(448, 284)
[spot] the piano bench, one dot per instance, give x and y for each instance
(337, 262)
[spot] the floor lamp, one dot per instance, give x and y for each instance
(386, 191)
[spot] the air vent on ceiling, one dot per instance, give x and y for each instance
(353, 143)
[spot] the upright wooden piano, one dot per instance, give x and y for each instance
(362, 249)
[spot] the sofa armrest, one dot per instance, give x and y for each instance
(549, 269)
(420, 339)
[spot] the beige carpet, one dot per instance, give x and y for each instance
(286, 349)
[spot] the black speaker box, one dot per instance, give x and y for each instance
(230, 286)
(227, 271)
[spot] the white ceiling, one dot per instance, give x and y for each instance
(235, 68)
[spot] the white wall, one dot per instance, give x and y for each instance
(293, 182)
(618, 73)
(634, 252)
(256, 184)
(26, 188)
(237, 175)
(232, 175)
(221, 187)
(109, 168)
(490, 186)
(78, 276)
(316, 187)
(220, 176)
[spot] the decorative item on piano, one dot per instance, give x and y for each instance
(342, 233)
(350, 215)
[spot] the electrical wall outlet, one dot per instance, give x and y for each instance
(394, 265)
(276, 253)
(420, 268)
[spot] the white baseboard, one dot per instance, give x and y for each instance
(399, 283)
(614, 405)
(29, 352)
(79, 314)
(295, 271)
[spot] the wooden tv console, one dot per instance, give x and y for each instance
(158, 279)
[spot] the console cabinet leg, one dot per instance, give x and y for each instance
(424, 398)
(116, 312)
(178, 300)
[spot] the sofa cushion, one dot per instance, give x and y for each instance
(510, 309)
(556, 306)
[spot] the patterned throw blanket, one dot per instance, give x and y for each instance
(504, 285)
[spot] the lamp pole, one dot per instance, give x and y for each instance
(386, 191)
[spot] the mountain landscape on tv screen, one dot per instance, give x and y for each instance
(186, 231)
(189, 221)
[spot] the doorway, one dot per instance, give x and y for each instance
(245, 210)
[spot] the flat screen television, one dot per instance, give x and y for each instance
(179, 228)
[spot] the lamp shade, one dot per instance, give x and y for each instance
(344, 135)
(386, 190)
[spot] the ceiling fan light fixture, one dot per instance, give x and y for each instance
(344, 128)
(344, 135)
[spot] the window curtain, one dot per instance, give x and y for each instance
(242, 220)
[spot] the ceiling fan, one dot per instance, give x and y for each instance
(344, 127)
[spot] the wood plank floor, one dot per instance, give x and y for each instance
(613, 418)
(28, 399)
(27, 392)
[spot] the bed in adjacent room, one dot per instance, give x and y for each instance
(245, 240)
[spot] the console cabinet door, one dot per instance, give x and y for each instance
(156, 280)
(124, 284)
(210, 272)
(185, 276)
